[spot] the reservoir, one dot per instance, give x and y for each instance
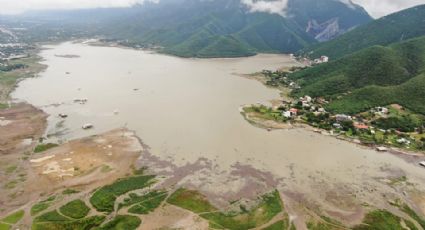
(188, 109)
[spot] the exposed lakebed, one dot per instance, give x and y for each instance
(187, 112)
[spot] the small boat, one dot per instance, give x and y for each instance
(87, 126)
(422, 163)
(62, 115)
(381, 149)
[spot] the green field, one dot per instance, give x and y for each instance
(191, 200)
(81, 224)
(145, 203)
(52, 216)
(104, 198)
(381, 219)
(5, 226)
(122, 222)
(269, 206)
(76, 209)
(14, 217)
(279, 225)
(39, 207)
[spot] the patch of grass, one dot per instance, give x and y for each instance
(39, 207)
(265, 113)
(122, 222)
(11, 169)
(14, 217)
(150, 203)
(279, 225)
(4, 226)
(320, 226)
(215, 226)
(76, 209)
(134, 198)
(269, 207)
(191, 200)
(43, 147)
(105, 168)
(82, 224)
(50, 199)
(69, 191)
(104, 198)
(410, 225)
(52, 216)
(11, 184)
(413, 215)
(380, 219)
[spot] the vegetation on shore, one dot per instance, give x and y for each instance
(15, 71)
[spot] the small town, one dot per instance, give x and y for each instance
(380, 127)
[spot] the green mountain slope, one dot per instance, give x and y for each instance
(396, 27)
(199, 28)
(371, 77)
(228, 28)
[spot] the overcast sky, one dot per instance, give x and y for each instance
(376, 8)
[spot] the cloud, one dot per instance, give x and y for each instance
(376, 8)
(379, 8)
(349, 3)
(19, 6)
(273, 7)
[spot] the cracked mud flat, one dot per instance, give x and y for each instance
(187, 112)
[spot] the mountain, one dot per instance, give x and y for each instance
(229, 28)
(375, 76)
(210, 28)
(393, 28)
(326, 20)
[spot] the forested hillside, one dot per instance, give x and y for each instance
(374, 76)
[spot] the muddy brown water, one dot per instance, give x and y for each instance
(185, 109)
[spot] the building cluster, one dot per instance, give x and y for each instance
(309, 62)
(12, 51)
